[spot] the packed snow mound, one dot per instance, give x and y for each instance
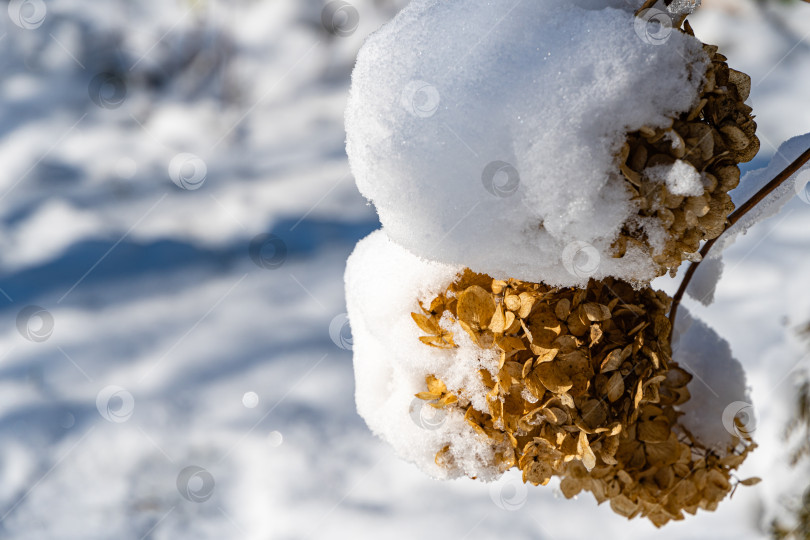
(385, 283)
(492, 144)
(719, 389)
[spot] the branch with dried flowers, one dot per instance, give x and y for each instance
(750, 204)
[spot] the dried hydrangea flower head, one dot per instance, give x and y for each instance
(706, 143)
(585, 387)
(575, 364)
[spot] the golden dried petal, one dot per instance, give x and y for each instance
(677, 377)
(594, 413)
(731, 460)
(563, 309)
(486, 377)
(498, 322)
(567, 400)
(741, 81)
(575, 324)
(527, 367)
(575, 363)
(509, 344)
(615, 387)
(552, 377)
(511, 324)
(555, 415)
(438, 305)
(579, 297)
(428, 325)
(612, 361)
(534, 385)
(571, 487)
(596, 312)
(662, 454)
(581, 384)
(544, 327)
(664, 478)
(537, 472)
(485, 339)
(471, 331)
(609, 447)
(435, 385)
(751, 481)
(596, 334)
(567, 343)
(655, 360)
(735, 137)
(543, 354)
(638, 395)
(512, 302)
(623, 506)
(515, 369)
(526, 302)
(469, 278)
(475, 307)
(584, 451)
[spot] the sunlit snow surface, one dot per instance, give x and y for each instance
(500, 153)
(243, 372)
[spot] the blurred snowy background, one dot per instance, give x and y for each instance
(176, 212)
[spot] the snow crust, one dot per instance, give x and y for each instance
(718, 388)
(493, 143)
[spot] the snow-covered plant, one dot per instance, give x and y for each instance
(535, 166)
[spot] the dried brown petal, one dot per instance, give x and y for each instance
(442, 342)
(596, 312)
(426, 324)
(612, 361)
(498, 322)
(552, 377)
(653, 431)
(615, 387)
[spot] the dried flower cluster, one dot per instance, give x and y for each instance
(585, 389)
(660, 471)
(714, 137)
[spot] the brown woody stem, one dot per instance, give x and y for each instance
(766, 190)
(647, 5)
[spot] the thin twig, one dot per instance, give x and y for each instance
(647, 5)
(766, 190)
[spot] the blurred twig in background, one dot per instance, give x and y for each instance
(798, 429)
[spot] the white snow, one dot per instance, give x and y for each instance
(504, 152)
(167, 300)
(683, 7)
(718, 389)
(384, 285)
(681, 178)
(704, 282)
